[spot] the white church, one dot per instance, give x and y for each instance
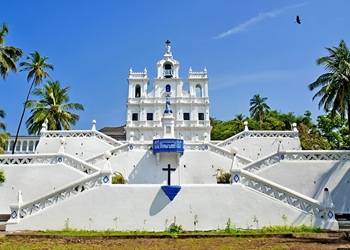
(173, 172)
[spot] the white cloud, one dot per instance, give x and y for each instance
(243, 26)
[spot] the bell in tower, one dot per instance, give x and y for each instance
(168, 67)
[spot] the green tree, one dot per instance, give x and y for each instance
(9, 55)
(258, 108)
(312, 139)
(52, 107)
(3, 135)
(334, 130)
(36, 67)
(334, 92)
(238, 123)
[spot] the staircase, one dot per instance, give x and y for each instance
(343, 221)
(3, 219)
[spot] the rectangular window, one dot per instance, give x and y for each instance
(201, 116)
(135, 116)
(167, 130)
(186, 116)
(149, 116)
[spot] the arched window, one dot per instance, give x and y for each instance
(137, 91)
(31, 146)
(198, 90)
(25, 146)
(167, 88)
(168, 70)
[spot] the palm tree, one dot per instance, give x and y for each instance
(3, 135)
(36, 66)
(9, 55)
(53, 108)
(238, 123)
(335, 84)
(258, 107)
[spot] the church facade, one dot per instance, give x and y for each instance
(172, 172)
(190, 108)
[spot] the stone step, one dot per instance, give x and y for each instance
(4, 217)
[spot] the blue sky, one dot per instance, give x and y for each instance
(248, 47)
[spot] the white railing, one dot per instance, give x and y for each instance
(24, 144)
(200, 74)
(73, 189)
(82, 134)
(217, 150)
(281, 193)
(45, 159)
(188, 146)
(118, 150)
(258, 134)
(298, 155)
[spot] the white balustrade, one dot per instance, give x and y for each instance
(81, 133)
(45, 159)
(24, 144)
(119, 150)
(281, 193)
(217, 150)
(298, 155)
(26, 209)
(258, 134)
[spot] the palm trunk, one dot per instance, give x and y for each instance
(349, 126)
(20, 121)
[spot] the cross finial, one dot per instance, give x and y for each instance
(167, 42)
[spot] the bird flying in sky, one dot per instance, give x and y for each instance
(298, 20)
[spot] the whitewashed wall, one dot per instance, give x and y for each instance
(33, 181)
(256, 148)
(80, 147)
(146, 207)
(311, 177)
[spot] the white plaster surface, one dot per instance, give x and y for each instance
(146, 207)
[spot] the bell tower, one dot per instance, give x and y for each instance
(189, 116)
(168, 67)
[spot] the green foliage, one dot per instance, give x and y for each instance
(9, 55)
(258, 108)
(221, 130)
(2, 176)
(118, 178)
(311, 139)
(327, 134)
(223, 177)
(289, 229)
(174, 228)
(3, 136)
(231, 228)
(53, 108)
(335, 130)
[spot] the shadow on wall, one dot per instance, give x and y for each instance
(322, 181)
(340, 193)
(147, 171)
(160, 201)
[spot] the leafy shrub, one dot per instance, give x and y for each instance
(223, 177)
(118, 178)
(174, 228)
(2, 176)
(231, 228)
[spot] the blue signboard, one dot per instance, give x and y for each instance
(168, 146)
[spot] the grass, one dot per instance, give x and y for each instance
(228, 231)
(267, 238)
